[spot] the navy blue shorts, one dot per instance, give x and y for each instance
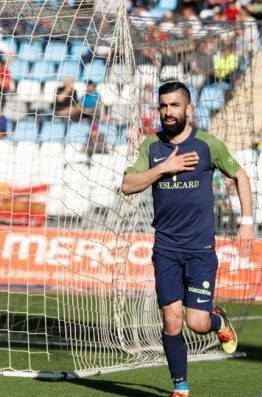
(189, 277)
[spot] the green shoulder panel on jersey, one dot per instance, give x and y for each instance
(220, 156)
(142, 161)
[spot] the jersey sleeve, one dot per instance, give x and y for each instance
(222, 159)
(142, 162)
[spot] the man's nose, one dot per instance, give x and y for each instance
(169, 111)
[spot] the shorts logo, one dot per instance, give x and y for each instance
(206, 284)
(199, 291)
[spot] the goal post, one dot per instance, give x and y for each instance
(77, 292)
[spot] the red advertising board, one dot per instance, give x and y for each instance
(56, 259)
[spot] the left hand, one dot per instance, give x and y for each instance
(245, 238)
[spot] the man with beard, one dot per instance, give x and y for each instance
(179, 162)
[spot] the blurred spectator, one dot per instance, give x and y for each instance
(259, 147)
(189, 15)
(202, 63)
(96, 141)
(156, 34)
(255, 8)
(149, 55)
(5, 50)
(90, 100)
(5, 76)
(5, 81)
(140, 11)
(147, 4)
(66, 102)
(3, 126)
(148, 127)
(194, 3)
(250, 33)
(218, 15)
(142, 8)
(219, 25)
(167, 24)
(148, 109)
(226, 65)
(231, 12)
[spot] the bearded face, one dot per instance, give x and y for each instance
(173, 112)
(173, 126)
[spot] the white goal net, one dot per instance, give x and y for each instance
(78, 95)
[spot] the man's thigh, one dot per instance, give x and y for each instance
(168, 278)
(199, 280)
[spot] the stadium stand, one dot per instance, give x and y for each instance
(40, 66)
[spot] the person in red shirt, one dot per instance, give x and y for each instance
(5, 81)
(5, 77)
(154, 33)
(231, 12)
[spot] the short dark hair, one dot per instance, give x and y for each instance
(171, 85)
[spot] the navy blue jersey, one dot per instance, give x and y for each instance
(183, 202)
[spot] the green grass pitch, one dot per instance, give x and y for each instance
(233, 377)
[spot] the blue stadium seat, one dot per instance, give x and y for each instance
(94, 71)
(157, 12)
(69, 69)
(168, 4)
(114, 135)
(194, 94)
(162, 7)
(203, 115)
(9, 128)
(11, 43)
(52, 131)
(78, 49)
(55, 51)
(19, 69)
(31, 51)
(25, 130)
(28, 90)
(43, 71)
(212, 97)
(77, 132)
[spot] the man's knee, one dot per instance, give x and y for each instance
(199, 323)
(172, 318)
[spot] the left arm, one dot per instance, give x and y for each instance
(222, 159)
(245, 234)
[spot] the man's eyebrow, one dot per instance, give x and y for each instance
(169, 103)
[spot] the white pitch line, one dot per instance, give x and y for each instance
(248, 318)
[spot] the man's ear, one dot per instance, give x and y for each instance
(190, 110)
(190, 114)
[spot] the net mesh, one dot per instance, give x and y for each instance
(76, 281)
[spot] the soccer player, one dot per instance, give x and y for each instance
(179, 162)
